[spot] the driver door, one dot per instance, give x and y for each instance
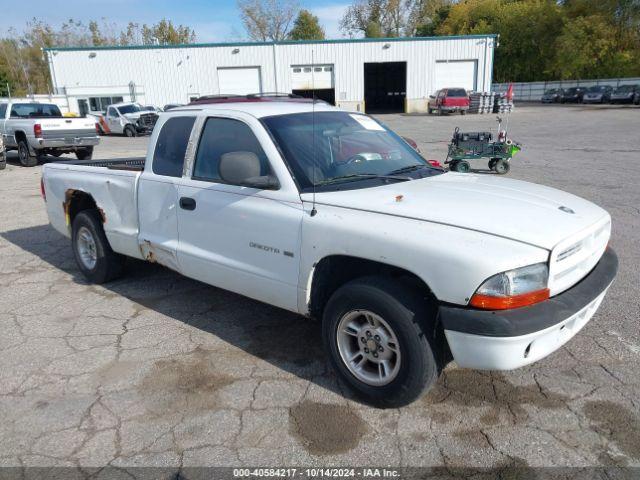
(113, 120)
(236, 237)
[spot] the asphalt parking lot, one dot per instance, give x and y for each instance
(159, 370)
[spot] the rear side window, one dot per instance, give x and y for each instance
(456, 92)
(222, 136)
(171, 147)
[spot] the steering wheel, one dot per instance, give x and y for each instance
(355, 159)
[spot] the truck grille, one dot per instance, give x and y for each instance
(148, 120)
(573, 258)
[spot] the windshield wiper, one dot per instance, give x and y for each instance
(358, 176)
(409, 168)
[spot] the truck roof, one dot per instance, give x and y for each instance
(261, 109)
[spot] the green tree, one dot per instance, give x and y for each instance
(306, 27)
(528, 32)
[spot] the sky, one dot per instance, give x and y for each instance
(213, 20)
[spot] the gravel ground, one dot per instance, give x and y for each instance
(159, 370)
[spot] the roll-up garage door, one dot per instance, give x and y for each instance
(456, 74)
(239, 81)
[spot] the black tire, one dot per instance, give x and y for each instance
(492, 163)
(84, 153)
(461, 166)
(108, 265)
(463, 112)
(502, 167)
(129, 131)
(440, 111)
(25, 156)
(3, 159)
(410, 315)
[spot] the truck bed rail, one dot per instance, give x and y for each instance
(128, 163)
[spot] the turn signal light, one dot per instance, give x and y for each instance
(488, 302)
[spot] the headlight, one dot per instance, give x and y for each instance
(513, 289)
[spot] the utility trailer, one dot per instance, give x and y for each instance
(467, 146)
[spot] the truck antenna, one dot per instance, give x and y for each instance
(313, 133)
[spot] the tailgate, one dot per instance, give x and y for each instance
(456, 102)
(68, 127)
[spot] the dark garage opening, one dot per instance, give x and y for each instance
(385, 87)
(326, 94)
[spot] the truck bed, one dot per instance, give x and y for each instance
(112, 183)
(135, 164)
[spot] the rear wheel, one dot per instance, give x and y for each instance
(84, 153)
(129, 131)
(502, 167)
(3, 158)
(463, 112)
(25, 156)
(373, 333)
(492, 163)
(93, 254)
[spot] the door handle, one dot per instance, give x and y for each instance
(187, 203)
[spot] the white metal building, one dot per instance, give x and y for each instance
(393, 75)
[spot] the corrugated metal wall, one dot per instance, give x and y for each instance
(171, 75)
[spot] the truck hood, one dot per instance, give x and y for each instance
(134, 115)
(522, 211)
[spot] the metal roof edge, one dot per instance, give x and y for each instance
(270, 43)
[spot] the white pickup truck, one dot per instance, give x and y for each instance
(332, 215)
(37, 129)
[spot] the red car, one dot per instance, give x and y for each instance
(449, 100)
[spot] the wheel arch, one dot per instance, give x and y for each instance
(333, 271)
(77, 201)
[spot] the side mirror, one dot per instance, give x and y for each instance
(432, 96)
(264, 182)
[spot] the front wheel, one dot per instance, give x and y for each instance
(372, 330)
(129, 131)
(93, 254)
(502, 167)
(463, 112)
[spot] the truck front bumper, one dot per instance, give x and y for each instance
(66, 143)
(508, 339)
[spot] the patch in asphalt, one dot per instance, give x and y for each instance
(185, 384)
(326, 429)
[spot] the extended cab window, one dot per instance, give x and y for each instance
(231, 138)
(171, 146)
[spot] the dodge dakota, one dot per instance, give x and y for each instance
(37, 129)
(332, 215)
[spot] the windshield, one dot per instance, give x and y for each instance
(625, 89)
(597, 89)
(133, 108)
(551, 92)
(343, 148)
(572, 90)
(35, 110)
